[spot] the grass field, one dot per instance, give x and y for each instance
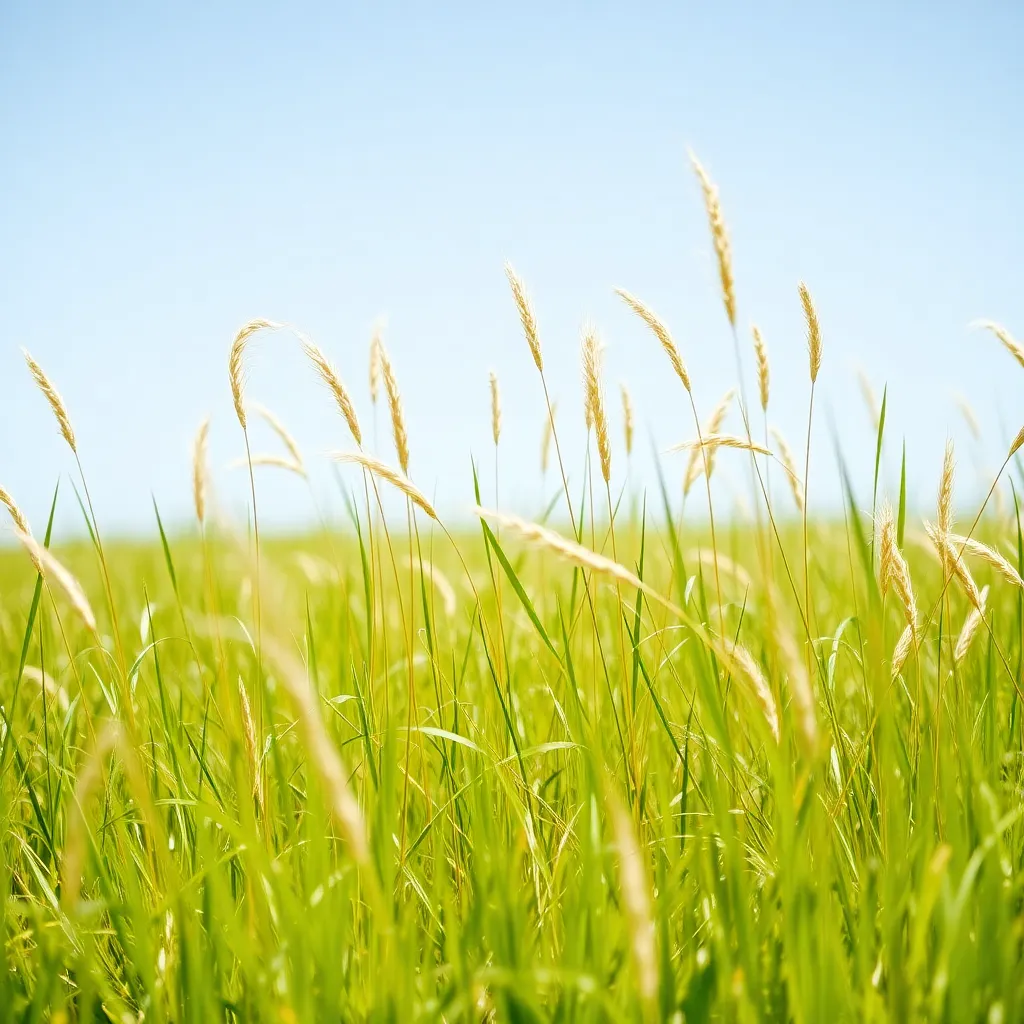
(625, 766)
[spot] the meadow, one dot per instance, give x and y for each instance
(612, 763)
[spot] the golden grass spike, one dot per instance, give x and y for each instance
(52, 395)
(16, 514)
(744, 665)
(660, 332)
(886, 543)
(989, 556)
(636, 899)
(529, 321)
(330, 378)
(719, 236)
(786, 458)
(813, 331)
(281, 430)
(545, 443)
(627, 418)
(953, 562)
(495, 408)
(763, 376)
(252, 746)
(944, 523)
(392, 476)
(893, 568)
(970, 627)
(902, 650)
(270, 460)
(1014, 347)
(712, 442)
(592, 358)
(1017, 442)
(569, 550)
(375, 347)
(48, 565)
(236, 362)
(199, 470)
(712, 426)
(398, 430)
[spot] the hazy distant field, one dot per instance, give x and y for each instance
(631, 767)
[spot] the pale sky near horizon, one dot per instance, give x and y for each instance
(167, 173)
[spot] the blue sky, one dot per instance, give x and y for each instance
(168, 173)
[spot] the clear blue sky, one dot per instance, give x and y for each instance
(169, 171)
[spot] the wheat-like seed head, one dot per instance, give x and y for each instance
(52, 395)
(952, 561)
(592, 358)
(636, 899)
(789, 465)
(236, 362)
(893, 568)
(1016, 444)
(392, 476)
(48, 565)
(18, 517)
(719, 236)
(627, 418)
(395, 408)
(545, 443)
(711, 427)
(529, 321)
(902, 650)
(813, 331)
(1014, 347)
(886, 537)
(744, 665)
(989, 556)
(660, 331)
(944, 523)
(375, 347)
(252, 746)
(199, 449)
(281, 430)
(761, 352)
(495, 408)
(970, 627)
(330, 378)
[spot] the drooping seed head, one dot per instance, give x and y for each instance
(813, 331)
(52, 396)
(17, 516)
(330, 378)
(1014, 347)
(1017, 442)
(398, 430)
(698, 453)
(385, 472)
(719, 237)
(660, 331)
(236, 362)
(48, 565)
(529, 321)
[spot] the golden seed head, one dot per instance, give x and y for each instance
(52, 396)
(1017, 442)
(329, 376)
(16, 514)
(627, 419)
(719, 237)
(594, 397)
(698, 453)
(525, 315)
(545, 443)
(393, 477)
(236, 362)
(660, 331)
(495, 408)
(970, 627)
(199, 449)
(47, 564)
(902, 650)
(375, 347)
(395, 407)
(813, 331)
(1014, 347)
(945, 507)
(761, 352)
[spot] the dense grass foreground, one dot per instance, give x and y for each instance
(639, 769)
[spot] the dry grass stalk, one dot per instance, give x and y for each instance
(763, 376)
(712, 426)
(627, 418)
(529, 321)
(236, 362)
(329, 376)
(52, 395)
(788, 464)
(989, 557)
(199, 477)
(719, 237)
(252, 746)
(744, 665)
(48, 565)
(392, 476)
(636, 898)
(813, 331)
(1014, 347)
(279, 428)
(592, 359)
(398, 430)
(660, 332)
(902, 650)
(495, 408)
(970, 627)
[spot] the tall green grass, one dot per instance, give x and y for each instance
(391, 773)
